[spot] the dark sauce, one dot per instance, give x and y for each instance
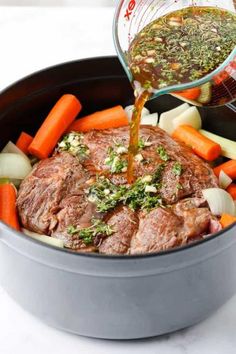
(180, 47)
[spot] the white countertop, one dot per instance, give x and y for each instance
(31, 39)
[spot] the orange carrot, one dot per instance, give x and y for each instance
(56, 123)
(232, 190)
(202, 146)
(190, 94)
(227, 219)
(114, 117)
(8, 213)
(228, 167)
(24, 142)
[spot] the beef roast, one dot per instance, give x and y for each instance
(43, 191)
(197, 174)
(165, 228)
(54, 197)
(125, 224)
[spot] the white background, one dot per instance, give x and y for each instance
(57, 2)
(34, 38)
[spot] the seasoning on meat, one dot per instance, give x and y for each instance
(67, 198)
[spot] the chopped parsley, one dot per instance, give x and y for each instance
(162, 153)
(142, 144)
(144, 193)
(98, 228)
(138, 196)
(157, 176)
(105, 194)
(114, 161)
(177, 169)
(73, 143)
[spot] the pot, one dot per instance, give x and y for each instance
(115, 297)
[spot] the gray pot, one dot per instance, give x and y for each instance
(109, 296)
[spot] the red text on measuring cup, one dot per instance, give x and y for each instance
(129, 10)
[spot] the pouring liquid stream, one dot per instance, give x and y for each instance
(177, 48)
(134, 132)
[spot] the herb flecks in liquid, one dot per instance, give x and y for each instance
(180, 47)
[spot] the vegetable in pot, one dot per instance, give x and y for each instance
(166, 118)
(8, 213)
(150, 119)
(58, 120)
(202, 146)
(114, 117)
(227, 220)
(129, 112)
(228, 167)
(189, 117)
(219, 201)
(24, 142)
(43, 238)
(14, 166)
(228, 147)
(232, 190)
(224, 180)
(11, 148)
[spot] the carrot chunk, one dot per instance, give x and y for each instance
(202, 146)
(114, 117)
(232, 190)
(56, 123)
(227, 220)
(228, 167)
(8, 213)
(24, 142)
(190, 94)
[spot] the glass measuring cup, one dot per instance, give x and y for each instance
(219, 87)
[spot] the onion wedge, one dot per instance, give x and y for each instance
(43, 238)
(166, 118)
(219, 201)
(190, 117)
(129, 112)
(14, 166)
(11, 148)
(224, 180)
(150, 119)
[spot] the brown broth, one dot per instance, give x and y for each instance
(182, 46)
(177, 48)
(134, 133)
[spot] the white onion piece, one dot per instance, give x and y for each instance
(219, 201)
(166, 118)
(14, 166)
(11, 148)
(129, 111)
(46, 239)
(235, 208)
(224, 180)
(190, 117)
(150, 119)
